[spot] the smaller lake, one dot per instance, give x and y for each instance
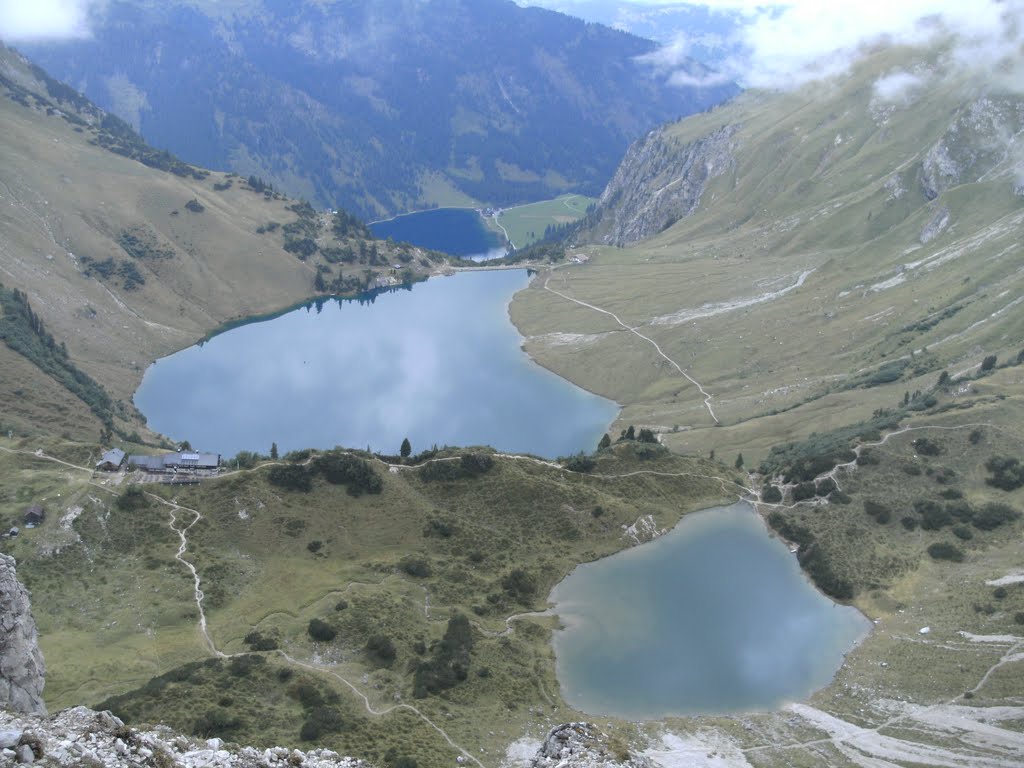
(440, 364)
(456, 231)
(713, 617)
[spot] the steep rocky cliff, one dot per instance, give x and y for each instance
(979, 139)
(660, 181)
(21, 663)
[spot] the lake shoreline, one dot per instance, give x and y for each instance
(578, 612)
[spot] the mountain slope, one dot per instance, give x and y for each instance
(124, 254)
(784, 249)
(379, 107)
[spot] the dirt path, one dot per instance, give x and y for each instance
(635, 332)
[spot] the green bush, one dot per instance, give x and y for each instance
(415, 566)
(319, 721)
(580, 463)
(449, 662)
(381, 650)
(292, 477)
(240, 666)
(319, 629)
(927, 447)
(993, 515)
(340, 468)
(520, 585)
(942, 550)
(771, 494)
(257, 641)
(1007, 473)
(963, 533)
(216, 722)
(804, 491)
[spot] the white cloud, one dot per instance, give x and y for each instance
(45, 19)
(786, 45)
(898, 86)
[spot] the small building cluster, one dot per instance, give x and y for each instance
(174, 462)
(111, 461)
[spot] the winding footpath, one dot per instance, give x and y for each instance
(635, 332)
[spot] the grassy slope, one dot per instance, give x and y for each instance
(66, 201)
(525, 224)
(796, 201)
(115, 609)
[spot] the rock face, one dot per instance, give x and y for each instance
(84, 737)
(581, 745)
(659, 182)
(976, 143)
(21, 663)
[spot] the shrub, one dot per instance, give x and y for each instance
(339, 468)
(910, 523)
(132, 499)
(771, 494)
(805, 490)
(951, 493)
(215, 722)
(415, 566)
(520, 585)
(1019, 617)
(441, 528)
(315, 546)
(292, 477)
(999, 593)
(580, 463)
(988, 363)
(449, 663)
(813, 560)
(875, 508)
(646, 436)
(341, 605)
(933, 517)
(319, 629)
(257, 641)
(241, 666)
(927, 447)
(474, 464)
(911, 469)
(381, 650)
(319, 721)
(993, 515)
(195, 206)
(976, 436)
(825, 486)
(1007, 473)
(960, 509)
(963, 533)
(942, 550)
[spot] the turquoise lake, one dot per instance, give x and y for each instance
(456, 231)
(713, 617)
(440, 364)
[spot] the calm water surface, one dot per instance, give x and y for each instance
(713, 617)
(440, 363)
(458, 231)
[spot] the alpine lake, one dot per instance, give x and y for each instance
(712, 617)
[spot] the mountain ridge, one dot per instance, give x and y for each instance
(484, 101)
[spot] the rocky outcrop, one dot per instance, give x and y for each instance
(977, 143)
(21, 662)
(582, 745)
(84, 737)
(659, 182)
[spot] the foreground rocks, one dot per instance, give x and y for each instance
(84, 737)
(582, 745)
(21, 664)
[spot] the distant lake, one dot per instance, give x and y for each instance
(456, 231)
(440, 364)
(713, 617)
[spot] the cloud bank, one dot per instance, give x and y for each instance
(785, 46)
(34, 20)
